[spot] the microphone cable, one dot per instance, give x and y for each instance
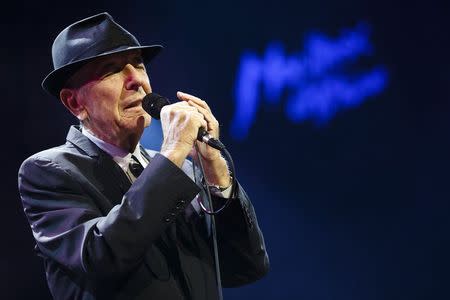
(213, 212)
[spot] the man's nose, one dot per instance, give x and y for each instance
(133, 78)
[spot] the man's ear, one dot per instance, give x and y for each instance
(72, 103)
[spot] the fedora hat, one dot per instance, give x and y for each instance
(84, 40)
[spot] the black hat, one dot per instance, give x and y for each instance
(87, 39)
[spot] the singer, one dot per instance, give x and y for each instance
(113, 220)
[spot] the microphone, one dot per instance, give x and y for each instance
(153, 103)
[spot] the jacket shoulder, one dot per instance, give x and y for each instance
(58, 155)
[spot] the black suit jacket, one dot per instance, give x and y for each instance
(102, 237)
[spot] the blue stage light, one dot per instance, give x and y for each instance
(314, 80)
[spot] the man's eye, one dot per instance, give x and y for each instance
(138, 63)
(116, 69)
(110, 71)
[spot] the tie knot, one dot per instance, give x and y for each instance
(135, 167)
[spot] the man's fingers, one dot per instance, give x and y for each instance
(196, 100)
(184, 108)
(203, 108)
(207, 113)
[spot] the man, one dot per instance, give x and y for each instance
(107, 229)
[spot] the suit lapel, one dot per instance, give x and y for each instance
(108, 177)
(109, 172)
(113, 183)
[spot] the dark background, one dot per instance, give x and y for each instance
(355, 209)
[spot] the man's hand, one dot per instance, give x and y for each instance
(215, 165)
(180, 123)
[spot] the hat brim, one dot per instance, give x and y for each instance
(54, 82)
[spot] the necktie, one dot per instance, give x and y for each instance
(135, 167)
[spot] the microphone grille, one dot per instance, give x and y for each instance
(153, 103)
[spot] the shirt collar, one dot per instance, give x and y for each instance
(119, 155)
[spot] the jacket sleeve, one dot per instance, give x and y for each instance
(242, 251)
(70, 229)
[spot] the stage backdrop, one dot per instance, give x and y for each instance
(336, 113)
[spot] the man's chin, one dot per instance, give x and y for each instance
(143, 120)
(147, 120)
(137, 122)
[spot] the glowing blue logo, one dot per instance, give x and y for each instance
(314, 81)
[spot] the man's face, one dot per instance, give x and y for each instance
(110, 90)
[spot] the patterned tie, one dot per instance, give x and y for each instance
(135, 166)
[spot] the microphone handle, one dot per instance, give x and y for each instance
(205, 137)
(153, 103)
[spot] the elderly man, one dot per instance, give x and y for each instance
(113, 220)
